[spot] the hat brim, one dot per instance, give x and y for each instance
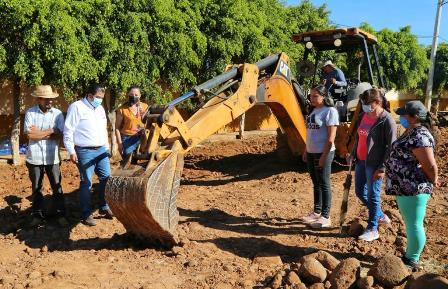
(400, 111)
(53, 95)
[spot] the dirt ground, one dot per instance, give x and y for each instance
(237, 200)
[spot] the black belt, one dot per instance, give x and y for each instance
(87, 148)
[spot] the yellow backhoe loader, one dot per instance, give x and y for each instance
(143, 196)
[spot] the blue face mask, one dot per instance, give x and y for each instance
(367, 108)
(96, 101)
(404, 122)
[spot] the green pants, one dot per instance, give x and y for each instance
(413, 209)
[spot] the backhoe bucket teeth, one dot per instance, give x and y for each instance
(146, 203)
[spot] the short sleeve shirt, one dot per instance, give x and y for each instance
(317, 123)
(46, 151)
(405, 176)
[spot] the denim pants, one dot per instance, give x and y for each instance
(321, 182)
(36, 174)
(368, 191)
(92, 160)
(130, 143)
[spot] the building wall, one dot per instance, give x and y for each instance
(259, 117)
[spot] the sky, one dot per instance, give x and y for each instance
(392, 14)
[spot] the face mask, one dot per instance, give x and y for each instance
(133, 99)
(404, 122)
(367, 108)
(96, 102)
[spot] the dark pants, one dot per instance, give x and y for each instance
(321, 182)
(36, 173)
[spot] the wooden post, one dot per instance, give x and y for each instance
(110, 103)
(15, 132)
(241, 126)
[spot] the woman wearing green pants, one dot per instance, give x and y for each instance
(411, 172)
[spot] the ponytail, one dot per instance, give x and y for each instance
(430, 123)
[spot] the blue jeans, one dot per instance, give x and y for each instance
(368, 191)
(321, 182)
(130, 143)
(92, 160)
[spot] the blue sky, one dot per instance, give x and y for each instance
(392, 14)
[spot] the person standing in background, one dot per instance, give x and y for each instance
(43, 127)
(129, 123)
(86, 140)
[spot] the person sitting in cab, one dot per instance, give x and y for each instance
(332, 77)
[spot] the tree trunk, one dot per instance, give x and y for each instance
(15, 132)
(110, 103)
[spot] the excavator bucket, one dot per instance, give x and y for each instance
(145, 202)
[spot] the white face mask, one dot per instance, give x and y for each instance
(367, 108)
(96, 101)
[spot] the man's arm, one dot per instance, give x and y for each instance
(32, 132)
(340, 78)
(71, 122)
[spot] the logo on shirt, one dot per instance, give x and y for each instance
(311, 122)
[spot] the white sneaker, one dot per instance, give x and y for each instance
(321, 222)
(369, 235)
(310, 218)
(384, 220)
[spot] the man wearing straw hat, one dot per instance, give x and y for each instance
(332, 77)
(43, 126)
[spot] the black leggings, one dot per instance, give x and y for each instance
(321, 182)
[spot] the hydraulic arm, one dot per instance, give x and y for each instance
(143, 196)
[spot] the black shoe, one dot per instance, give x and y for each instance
(414, 266)
(89, 221)
(106, 213)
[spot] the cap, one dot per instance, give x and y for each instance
(414, 107)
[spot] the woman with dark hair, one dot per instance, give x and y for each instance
(376, 130)
(412, 174)
(321, 126)
(129, 123)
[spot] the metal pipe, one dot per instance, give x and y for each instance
(226, 76)
(366, 57)
(435, 39)
(378, 65)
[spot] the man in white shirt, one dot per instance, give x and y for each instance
(86, 140)
(43, 126)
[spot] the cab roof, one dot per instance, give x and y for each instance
(324, 39)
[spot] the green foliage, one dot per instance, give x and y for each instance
(404, 61)
(441, 68)
(165, 46)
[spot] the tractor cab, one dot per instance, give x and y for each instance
(362, 70)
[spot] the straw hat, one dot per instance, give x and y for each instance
(328, 62)
(44, 91)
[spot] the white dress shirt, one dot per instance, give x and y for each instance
(85, 126)
(45, 151)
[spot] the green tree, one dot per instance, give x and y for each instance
(441, 68)
(404, 61)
